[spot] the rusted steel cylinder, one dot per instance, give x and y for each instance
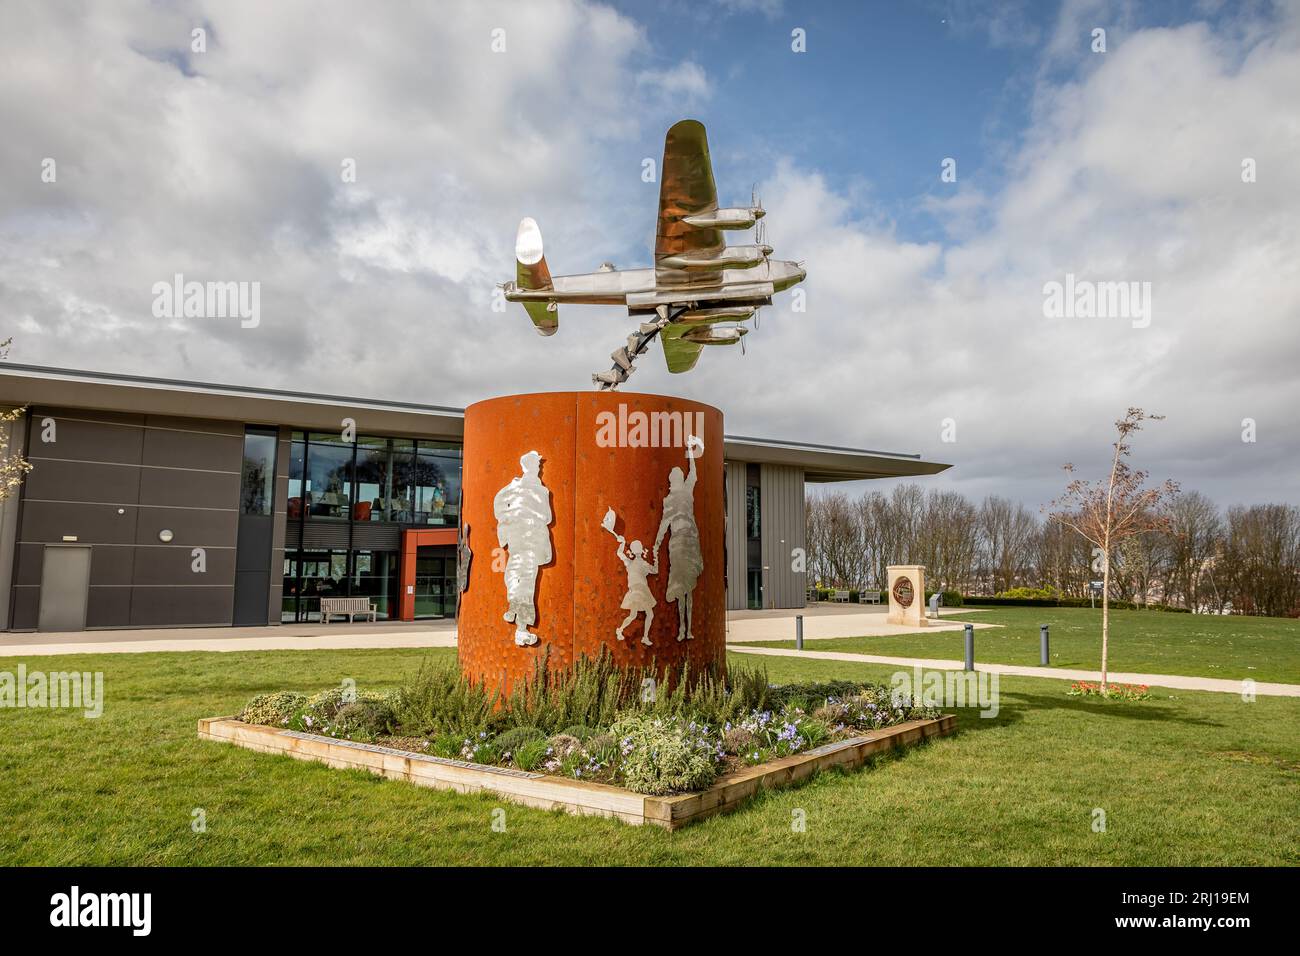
(549, 573)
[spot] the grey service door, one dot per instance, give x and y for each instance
(65, 584)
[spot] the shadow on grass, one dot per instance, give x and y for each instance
(771, 794)
(1014, 706)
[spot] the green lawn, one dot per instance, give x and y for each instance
(1194, 778)
(1148, 642)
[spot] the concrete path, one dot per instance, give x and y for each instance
(288, 637)
(780, 626)
(821, 621)
(1056, 673)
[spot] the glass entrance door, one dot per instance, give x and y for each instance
(435, 581)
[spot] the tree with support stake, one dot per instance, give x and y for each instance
(1111, 511)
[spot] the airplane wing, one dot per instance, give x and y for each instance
(680, 354)
(686, 188)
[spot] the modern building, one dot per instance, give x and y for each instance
(161, 503)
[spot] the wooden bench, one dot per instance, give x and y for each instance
(350, 606)
(871, 596)
(840, 597)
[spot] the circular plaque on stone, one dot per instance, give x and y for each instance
(903, 591)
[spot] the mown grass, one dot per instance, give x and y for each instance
(1194, 778)
(1149, 642)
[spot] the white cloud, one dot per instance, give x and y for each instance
(684, 83)
(1130, 171)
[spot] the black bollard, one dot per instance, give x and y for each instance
(1044, 657)
(970, 647)
(798, 632)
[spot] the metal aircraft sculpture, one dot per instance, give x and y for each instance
(700, 290)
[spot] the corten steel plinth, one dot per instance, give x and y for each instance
(600, 451)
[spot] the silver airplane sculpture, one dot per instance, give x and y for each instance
(699, 291)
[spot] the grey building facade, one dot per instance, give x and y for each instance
(158, 503)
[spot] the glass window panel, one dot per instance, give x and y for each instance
(328, 438)
(753, 513)
(374, 482)
(257, 480)
(436, 482)
(374, 576)
(297, 475)
(329, 481)
(436, 591)
(289, 601)
(324, 574)
(403, 498)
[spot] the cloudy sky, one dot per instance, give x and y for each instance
(925, 297)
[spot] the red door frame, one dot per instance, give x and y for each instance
(412, 540)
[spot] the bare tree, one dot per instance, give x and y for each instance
(1261, 560)
(1006, 531)
(834, 540)
(1140, 566)
(1060, 560)
(1195, 530)
(947, 540)
(1110, 511)
(872, 521)
(13, 468)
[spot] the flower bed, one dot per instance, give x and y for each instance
(1083, 688)
(595, 724)
(727, 793)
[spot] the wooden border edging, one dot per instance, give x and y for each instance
(560, 793)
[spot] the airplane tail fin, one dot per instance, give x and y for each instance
(532, 274)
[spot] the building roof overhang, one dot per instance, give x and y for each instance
(141, 395)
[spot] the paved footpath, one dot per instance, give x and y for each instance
(263, 639)
(827, 622)
(1057, 673)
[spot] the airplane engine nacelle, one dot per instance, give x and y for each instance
(742, 217)
(733, 313)
(709, 335)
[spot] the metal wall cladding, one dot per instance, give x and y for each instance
(579, 592)
(783, 523)
(115, 482)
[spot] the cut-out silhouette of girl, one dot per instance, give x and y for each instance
(638, 598)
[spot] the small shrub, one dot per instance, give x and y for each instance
(368, 716)
(662, 756)
(833, 712)
(447, 745)
(581, 731)
(439, 700)
(602, 748)
(274, 710)
(531, 755)
(1041, 594)
(481, 748)
(325, 705)
(564, 745)
(811, 695)
(814, 731)
(737, 740)
(516, 737)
